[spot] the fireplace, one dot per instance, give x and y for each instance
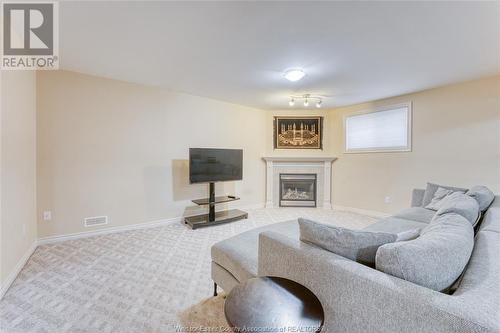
(297, 190)
(319, 166)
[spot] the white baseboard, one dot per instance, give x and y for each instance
(109, 230)
(15, 272)
(367, 212)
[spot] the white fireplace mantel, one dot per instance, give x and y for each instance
(322, 166)
(299, 159)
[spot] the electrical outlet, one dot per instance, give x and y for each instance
(47, 215)
(387, 200)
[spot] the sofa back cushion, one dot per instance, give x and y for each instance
(482, 195)
(431, 189)
(460, 204)
(433, 260)
(491, 219)
(360, 246)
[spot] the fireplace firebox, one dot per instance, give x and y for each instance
(297, 190)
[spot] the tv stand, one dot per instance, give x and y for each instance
(213, 217)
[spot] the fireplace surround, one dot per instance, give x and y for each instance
(320, 166)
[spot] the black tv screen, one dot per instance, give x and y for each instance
(215, 165)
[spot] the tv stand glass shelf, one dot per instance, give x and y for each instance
(222, 199)
(213, 217)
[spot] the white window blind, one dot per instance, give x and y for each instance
(384, 130)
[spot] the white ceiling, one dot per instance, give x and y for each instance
(237, 51)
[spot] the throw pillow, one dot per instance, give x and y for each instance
(432, 188)
(360, 246)
(433, 260)
(462, 205)
(439, 195)
(483, 196)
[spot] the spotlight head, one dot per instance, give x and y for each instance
(306, 102)
(318, 104)
(292, 102)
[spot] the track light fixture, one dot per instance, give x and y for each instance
(306, 98)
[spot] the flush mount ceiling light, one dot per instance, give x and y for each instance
(294, 74)
(306, 98)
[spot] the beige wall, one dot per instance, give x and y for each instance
(111, 148)
(107, 147)
(18, 170)
(456, 141)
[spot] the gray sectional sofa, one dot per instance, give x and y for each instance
(358, 298)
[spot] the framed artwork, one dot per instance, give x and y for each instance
(298, 132)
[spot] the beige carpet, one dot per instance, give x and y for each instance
(134, 281)
(206, 316)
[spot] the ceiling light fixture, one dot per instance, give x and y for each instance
(294, 74)
(307, 98)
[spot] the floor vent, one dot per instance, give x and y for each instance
(93, 221)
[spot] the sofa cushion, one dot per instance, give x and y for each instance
(416, 214)
(360, 246)
(438, 198)
(239, 254)
(433, 260)
(394, 225)
(417, 197)
(460, 204)
(480, 287)
(491, 219)
(483, 196)
(432, 188)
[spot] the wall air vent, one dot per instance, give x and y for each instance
(94, 221)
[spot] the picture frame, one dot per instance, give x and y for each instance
(298, 132)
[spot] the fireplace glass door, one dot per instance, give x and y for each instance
(297, 190)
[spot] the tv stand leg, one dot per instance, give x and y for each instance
(215, 289)
(211, 202)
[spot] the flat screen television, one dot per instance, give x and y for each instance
(207, 165)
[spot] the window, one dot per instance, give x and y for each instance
(381, 130)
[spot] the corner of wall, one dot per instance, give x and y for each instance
(18, 173)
